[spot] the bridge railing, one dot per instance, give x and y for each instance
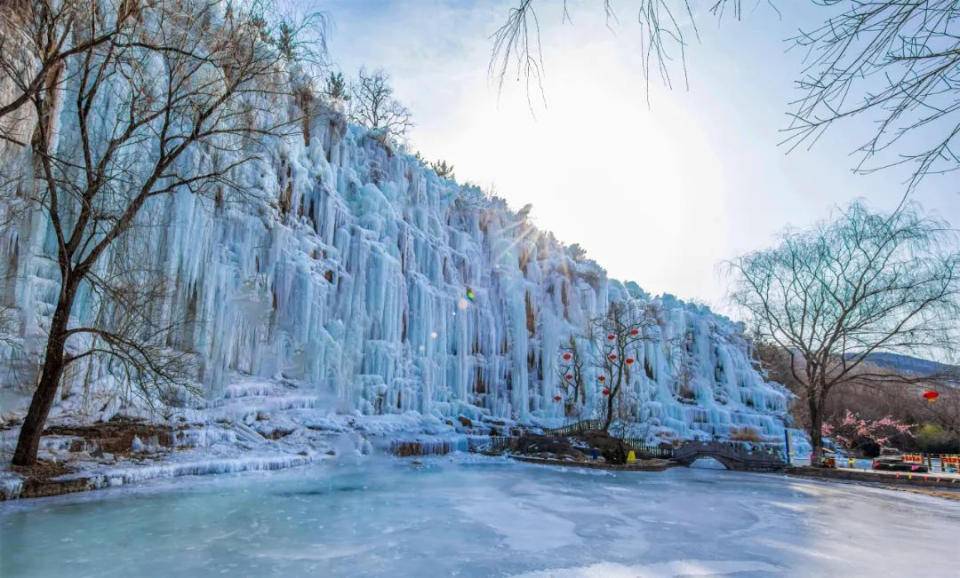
(756, 454)
(639, 446)
(575, 428)
(749, 453)
(644, 450)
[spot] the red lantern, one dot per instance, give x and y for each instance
(606, 391)
(612, 357)
(568, 376)
(611, 336)
(557, 397)
(931, 395)
(602, 378)
(634, 332)
(630, 361)
(567, 356)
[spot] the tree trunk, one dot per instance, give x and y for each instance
(816, 430)
(609, 418)
(610, 401)
(53, 364)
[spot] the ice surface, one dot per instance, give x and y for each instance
(468, 516)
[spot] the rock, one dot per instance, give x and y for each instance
(613, 450)
(548, 446)
(465, 421)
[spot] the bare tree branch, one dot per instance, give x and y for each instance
(836, 295)
(165, 98)
(517, 48)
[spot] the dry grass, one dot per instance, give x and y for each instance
(116, 436)
(745, 434)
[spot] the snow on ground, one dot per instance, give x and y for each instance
(259, 425)
(465, 515)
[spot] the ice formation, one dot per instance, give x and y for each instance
(383, 289)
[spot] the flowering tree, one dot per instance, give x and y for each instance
(853, 432)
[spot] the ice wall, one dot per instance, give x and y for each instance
(359, 272)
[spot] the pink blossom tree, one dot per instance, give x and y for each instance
(853, 432)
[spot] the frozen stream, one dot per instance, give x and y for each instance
(479, 517)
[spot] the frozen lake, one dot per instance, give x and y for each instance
(466, 516)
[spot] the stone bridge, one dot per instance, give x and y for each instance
(742, 456)
(733, 455)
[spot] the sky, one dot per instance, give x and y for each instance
(661, 193)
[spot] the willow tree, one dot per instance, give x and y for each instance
(864, 283)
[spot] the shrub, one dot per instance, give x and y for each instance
(745, 434)
(443, 169)
(933, 439)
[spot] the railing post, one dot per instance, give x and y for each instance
(786, 445)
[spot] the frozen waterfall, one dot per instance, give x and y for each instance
(361, 274)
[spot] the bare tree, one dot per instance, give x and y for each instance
(895, 62)
(174, 99)
(864, 283)
(374, 106)
(37, 37)
(617, 338)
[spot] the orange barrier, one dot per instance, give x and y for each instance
(950, 463)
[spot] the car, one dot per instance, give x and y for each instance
(894, 462)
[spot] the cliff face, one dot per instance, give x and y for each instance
(359, 273)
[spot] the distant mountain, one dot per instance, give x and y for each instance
(908, 364)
